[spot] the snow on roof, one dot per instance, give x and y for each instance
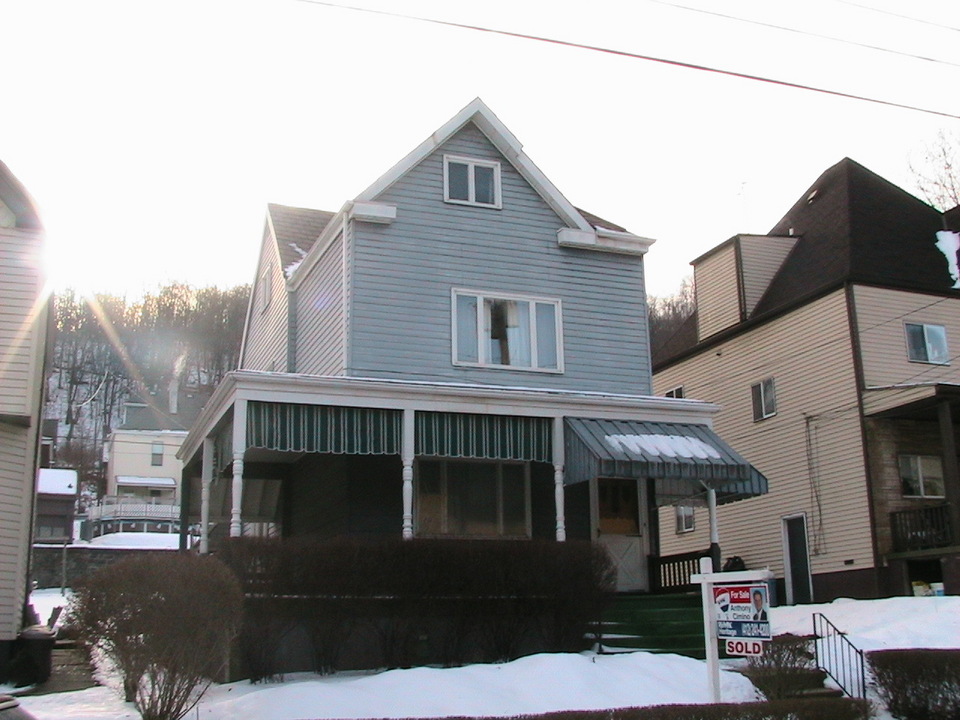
(138, 540)
(949, 244)
(146, 481)
(54, 481)
(666, 445)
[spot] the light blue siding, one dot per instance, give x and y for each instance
(320, 315)
(403, 274)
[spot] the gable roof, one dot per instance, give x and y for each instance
(295, 230)
(15, 196)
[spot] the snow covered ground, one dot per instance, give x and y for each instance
(535, 684)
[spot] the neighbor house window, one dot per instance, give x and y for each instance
(764, 399)
(156, 454)
(921, 476)
(506, 332)
(466, 498)
(676, 392)
(927, 343)
(266, 288)
(685, 519)
(469, 181)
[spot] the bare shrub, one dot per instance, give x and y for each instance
(785, 667)
(165, 620)
(918, 684)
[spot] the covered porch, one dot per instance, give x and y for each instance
(291, 455)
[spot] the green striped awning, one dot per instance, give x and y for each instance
(491, 437)
(324, 429)
(684, 459)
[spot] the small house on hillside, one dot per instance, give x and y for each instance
(457, 352)
(57, 493)
(831, 344)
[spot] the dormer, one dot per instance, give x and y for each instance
(731, 278)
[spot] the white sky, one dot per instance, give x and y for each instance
(152, 134)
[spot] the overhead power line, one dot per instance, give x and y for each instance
(807, 33)
(903, 17)
(637, 56)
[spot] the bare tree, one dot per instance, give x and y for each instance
(936, 171)
(668, 314)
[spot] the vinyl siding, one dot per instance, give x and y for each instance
(761, 257)
(266, 341)
(16, 493)
(809, 355)
(881, 315)
(21, 337)
(403, 274)
(717, 289)
(320, 312)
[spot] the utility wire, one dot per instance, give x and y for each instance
(636, 56)
(903, 17)
(832, 38)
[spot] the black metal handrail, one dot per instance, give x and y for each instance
(921, 528)
(839, 657)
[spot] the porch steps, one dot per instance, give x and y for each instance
(654, 623)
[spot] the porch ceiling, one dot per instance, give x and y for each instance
(684, 459)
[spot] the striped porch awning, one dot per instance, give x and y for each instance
(324, 429)
(683, 459)
(488, 437)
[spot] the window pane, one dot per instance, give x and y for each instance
(507, 331)
(757, 402)
(936, 344)
(483, 185)
(429, 498)
(909, 476)
(472, 498)
(514, 500)
(769, 397)
(546, 336)
(457, 183)
(467, 350)
(916, 345)
(931, 468)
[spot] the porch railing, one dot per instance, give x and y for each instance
(839, 657)
(124, 508)
(921, 529)
(671, 573)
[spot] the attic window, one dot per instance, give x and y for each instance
(469, 181)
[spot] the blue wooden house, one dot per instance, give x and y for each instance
(457, 352)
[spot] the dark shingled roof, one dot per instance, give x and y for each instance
(852, 226)
(855, 226)
(15, 196)
(296, 230)
(599, 222)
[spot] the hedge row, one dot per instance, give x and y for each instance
(445, 602)
(918, 684)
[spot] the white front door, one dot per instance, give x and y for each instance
(620, 529)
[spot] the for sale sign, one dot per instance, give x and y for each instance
(741, 612)
(744, 647)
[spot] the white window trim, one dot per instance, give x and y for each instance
(906, 338)
(266, 288)
(763, 410)
(481, 345)
(444, 519)
(471, 163)
(923, 494)
(685, 522)
(675, 392)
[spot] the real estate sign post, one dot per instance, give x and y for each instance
(735, 609)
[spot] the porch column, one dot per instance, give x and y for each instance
(951, 471)
(409, 449)
(206, 478)
(558, 496)
(239, 446)
(714, 529)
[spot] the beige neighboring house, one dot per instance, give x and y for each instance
(832, 344)
(143, 472)
(24, 314)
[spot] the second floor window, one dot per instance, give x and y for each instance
(469, 181)
(927, 343)
(156, 454)
(506, 332)
(686, 520)
(676, 392)
(921, 476)
(764, 399)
